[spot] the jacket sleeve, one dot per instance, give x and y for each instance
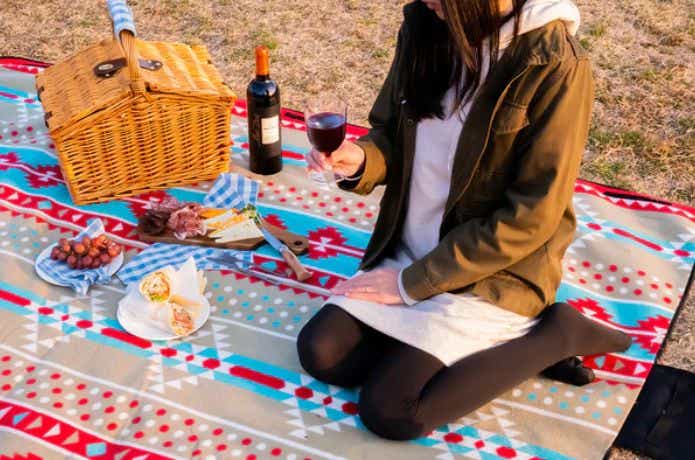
(378, 142)
(549, 161)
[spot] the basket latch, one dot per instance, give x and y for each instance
(150, 64)
(108, 69)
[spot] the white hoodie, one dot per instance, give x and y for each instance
(437, 139)
(537, 13)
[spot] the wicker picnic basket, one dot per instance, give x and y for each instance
(129, 116)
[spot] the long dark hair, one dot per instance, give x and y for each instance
(438, 53)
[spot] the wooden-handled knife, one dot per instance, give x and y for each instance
(289, 256)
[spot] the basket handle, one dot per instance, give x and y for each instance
(124, 30)
(121, 16)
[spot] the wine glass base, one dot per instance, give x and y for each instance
(326, 180)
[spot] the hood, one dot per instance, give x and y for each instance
(537, 13)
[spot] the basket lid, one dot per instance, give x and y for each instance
(71, 91)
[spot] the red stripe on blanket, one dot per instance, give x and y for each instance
(22, 65)
(18, 456)
(642, 241)
(19, 61)
(263, 379)
(59, 212)
(294, 119)
(13, 298)
(125, 337)
(633, 201)
(28, 206)
(65, 436)
(292, 155)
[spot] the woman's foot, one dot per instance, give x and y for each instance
(570, 370)
(584, 336)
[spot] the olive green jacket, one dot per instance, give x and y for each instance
(508, 218)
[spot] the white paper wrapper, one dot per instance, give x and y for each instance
(186, 289)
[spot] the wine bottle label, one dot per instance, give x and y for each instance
(270, 130)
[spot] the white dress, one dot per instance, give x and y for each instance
(447, 326)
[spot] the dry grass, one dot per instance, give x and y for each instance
(643, 134)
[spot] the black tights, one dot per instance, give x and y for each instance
(407, 392)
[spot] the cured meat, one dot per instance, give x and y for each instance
(154, 222)
(186, 221)
(168, 204)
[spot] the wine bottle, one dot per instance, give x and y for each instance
(263, 99)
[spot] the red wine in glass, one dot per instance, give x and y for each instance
(326, 122)
(326, 131)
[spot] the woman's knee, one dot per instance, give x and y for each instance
(321, 349)
(316, 349)
(390, 416)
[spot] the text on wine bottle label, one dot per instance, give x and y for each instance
(270, 130)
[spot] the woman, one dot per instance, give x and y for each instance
(477, 134)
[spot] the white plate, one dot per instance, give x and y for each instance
(143, 328)
(111, 268)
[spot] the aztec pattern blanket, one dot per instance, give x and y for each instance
(74, 384)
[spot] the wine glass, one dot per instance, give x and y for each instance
(326, 121)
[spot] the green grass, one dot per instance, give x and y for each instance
(597, 30)
(651, 75)
(686, 124)
(264, 37)
(608, 171)
(636, 141)
(600, 138)
(380, 53)
(641, 53)
(585, 42)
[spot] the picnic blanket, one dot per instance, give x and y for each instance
(74, 384)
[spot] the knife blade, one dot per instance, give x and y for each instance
(291, 259)
(264, 275)
(238, 263)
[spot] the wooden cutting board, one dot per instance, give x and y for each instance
(296, 243)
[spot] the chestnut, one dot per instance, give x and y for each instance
(80, 249)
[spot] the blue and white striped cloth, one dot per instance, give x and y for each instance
(121, 15)
(160, 255)
(232, 191)
(79, 280)
(228, 191)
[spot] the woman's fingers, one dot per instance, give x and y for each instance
(376, 297)
(368, 296)
(362, 280)
(342, 168)
(318, 161)
(363, 283)
(322, 160)
(314, 161)
(345, 161)
(379, 286)
(310, 163)
(347, 289)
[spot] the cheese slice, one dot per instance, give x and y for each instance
(243, 230)
(225, 220)
(209, 213)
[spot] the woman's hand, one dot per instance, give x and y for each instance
(346, 160)
(380, 286)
